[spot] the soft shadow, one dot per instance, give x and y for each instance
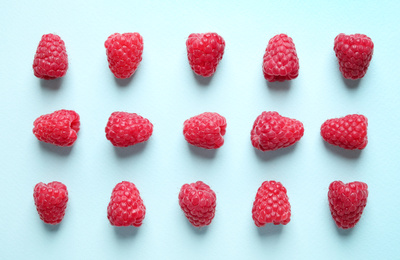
(51, 228)
(349, 154)
(123, 152)
(279, 86)
(203, 81)
(52, 84)
(201, 152)
(270, 230)
(124, 82)
(197, 230)
(126, 232)
(343, 232)
(62, 151)
(271, 155)
(350, 83)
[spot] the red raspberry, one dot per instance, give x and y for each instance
(354, 53)
(124, 129)
(205, 130)
(126, 207)
(205, 51)
(272, 131)
(271, 204)
(51, 201)
(124, 53)
(51, 59)
(347, 202)
(349, 132)
(198, 202)
(280, 59)
(59, 128)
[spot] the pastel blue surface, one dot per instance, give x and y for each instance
(165, 90)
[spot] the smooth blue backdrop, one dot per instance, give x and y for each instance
(165, 90)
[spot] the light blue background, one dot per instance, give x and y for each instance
(165, 90)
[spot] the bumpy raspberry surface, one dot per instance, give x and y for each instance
(205, 130)
(59, 128)
(198, 202)
(125, 129)
(349, 132)
(354, 53)
(124, 53)
(204, 51)
(51, 201)
(51, 59)
(272, 131)
(126, 207)
(347, 202)
(271, 204)
(280, 61)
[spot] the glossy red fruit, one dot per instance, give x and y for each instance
(347, 202)
(51, 201)
(204, 52)
(271, 204)
(198, 202)
(272, 131)
(126, 207)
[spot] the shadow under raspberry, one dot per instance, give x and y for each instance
(52, 84)
(271, 155)
(343, 232)
(203, 81)
(349, 154)
(201, 152)
(126, 232)
(51, 148)
(270, 230)
(124, 152)
(279, 86)
(51, 228)
(196, 230)
(350, 83)
(124, 82)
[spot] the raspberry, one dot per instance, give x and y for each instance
(280, 61)
(204, 51)
(124, 129)
(51, 201)
(59, 128)
(51, 59)
(271, 204)
(354, 53)
(124, 53)
(347, 202)
(126, 207)
(272, 131)
(198, 202)
(205, 130)
(349, 132)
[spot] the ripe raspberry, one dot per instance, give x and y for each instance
(280, 61)
(59, 128)
(124, 129)
(205, 130)
(347, 202)
(354, 53)
(272, 131)
(349, 132)
(126, 207)
(124, 53)
(51, 59)
(205, 51)
(198, 202)
(51, 201)
(271, 204)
